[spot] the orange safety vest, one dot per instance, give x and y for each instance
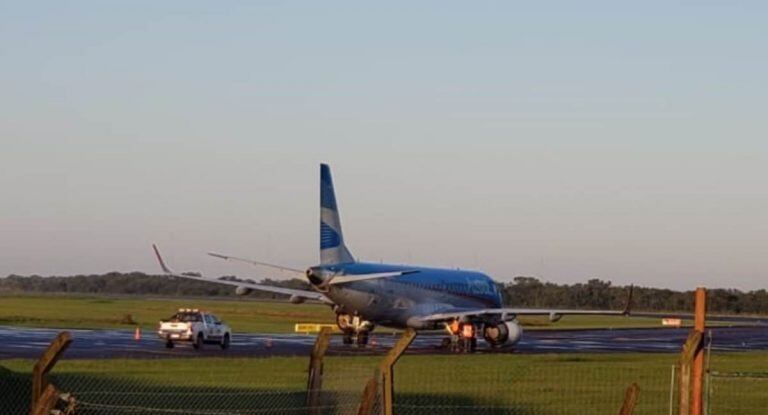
(469, 330)
(455, 327)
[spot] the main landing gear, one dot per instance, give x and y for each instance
(356, 330)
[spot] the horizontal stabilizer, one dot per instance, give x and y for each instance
(293, 271)
(343, 279)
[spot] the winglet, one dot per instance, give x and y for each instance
(628, 306)
(160, 260)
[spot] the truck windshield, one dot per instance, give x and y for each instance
(186, 317)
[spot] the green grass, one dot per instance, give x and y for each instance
(499, 383)
(58, 311)
(243, 314)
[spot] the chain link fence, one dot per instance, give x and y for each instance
(539, 384)
(737, 383)
(15, 390)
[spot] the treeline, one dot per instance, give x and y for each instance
(134, 283)
(521, 292)
(599, 294)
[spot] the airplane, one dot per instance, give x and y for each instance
(364, 295)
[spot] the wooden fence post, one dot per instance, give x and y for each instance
(630, 400)
(45, 364)
(692, 361)
(47, 401)
(387, 368)
(385, 372)
(315, 374)
(369, 394)
(686, 359)
(697, 405)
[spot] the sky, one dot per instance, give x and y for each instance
(626, 141)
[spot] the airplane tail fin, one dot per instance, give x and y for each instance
(332, 248)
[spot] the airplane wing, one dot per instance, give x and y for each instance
(311, 295)
(747, 319)
(511, 313)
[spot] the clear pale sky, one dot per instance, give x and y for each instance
(626, 141)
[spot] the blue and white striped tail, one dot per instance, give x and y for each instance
(332, 248)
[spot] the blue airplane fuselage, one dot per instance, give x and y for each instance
(394, 301)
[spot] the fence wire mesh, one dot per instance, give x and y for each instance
(15, 391)
(737, 383)
(541, 384)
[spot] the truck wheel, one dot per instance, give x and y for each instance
(169, 344)
(198, 343)
(225, 342)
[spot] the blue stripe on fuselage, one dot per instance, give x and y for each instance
(471, 285)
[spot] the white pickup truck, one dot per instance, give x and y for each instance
(198, 327)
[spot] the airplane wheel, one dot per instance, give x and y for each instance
(169, 344)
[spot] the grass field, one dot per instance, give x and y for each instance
(243, 314)
(109, 312)
(519, 384)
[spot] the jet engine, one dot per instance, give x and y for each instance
(554, 317)
(504, 332)
(243, 290)
(295, 299)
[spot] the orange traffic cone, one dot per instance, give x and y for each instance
(137, 334)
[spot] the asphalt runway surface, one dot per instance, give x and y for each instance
(18, 342)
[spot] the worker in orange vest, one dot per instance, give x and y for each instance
(455, 329)
(468, 337)
(468, 331)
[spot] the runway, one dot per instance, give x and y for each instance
(18, 342)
